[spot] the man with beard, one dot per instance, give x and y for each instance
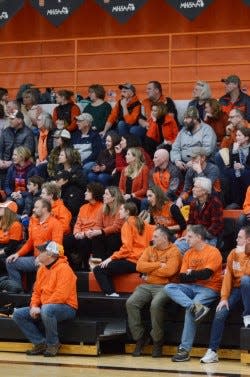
(194, 133)
(234, 97)
(126, 113)
(43, 227)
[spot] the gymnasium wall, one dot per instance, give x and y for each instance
(157, 43)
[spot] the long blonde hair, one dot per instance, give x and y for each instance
(133, 170)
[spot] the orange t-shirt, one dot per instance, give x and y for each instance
(208, 257)
(15, 232)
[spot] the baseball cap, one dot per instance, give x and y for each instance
(232, 78)
(63, 133)
(51, 247)
(16, 114)
(197, 151)
(9, 204)
(127, 85)
(191, 112)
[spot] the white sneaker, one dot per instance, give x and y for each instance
(210, 357)
(246, 320)
(114, 294)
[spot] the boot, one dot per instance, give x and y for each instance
(157, 348)
(143, 341)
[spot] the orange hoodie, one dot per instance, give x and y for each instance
(15, 232)
(55, 285)
(150, 264)
(62, 214)
(133, 243)
(109, 223)
(87, 217)
(237, 266)
(39, 233)
(169, 130)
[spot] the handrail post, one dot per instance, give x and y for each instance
(170, 65)
(75, 65)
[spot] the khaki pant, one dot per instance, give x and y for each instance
(144, 294)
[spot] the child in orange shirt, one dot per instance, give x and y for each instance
(135, 235)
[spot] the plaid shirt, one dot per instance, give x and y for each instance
(210, 215)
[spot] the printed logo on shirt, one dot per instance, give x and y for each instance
(8, 9)
(236, 266)
(190, 9)
(56, 11)
(122, 10)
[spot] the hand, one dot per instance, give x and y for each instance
(222, 304)
(127, 196)
(102, 133)
(179, 202)
(16, 195)
(153, 117)
(118, 148)
(35, 312)
(189, 270)
(94, 233)
(105, 263)
(96, 168)
(143, 123)
(113, 172)
(163, 265)
(181, 165)
(124, 102)
(12, 258)
(196, 165)
(102, 167)
(237, 165)
(79, 235)
(229, 129)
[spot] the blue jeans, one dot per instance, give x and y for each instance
(102, 178)
(183, 246)
(44, 329)
(22, 264)
(237, 294)
(125, 129)
(187, 295)
(88, 167)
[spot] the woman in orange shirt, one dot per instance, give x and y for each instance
(136, 236)
(162, 128)
(134, 177)
(107, 238)
(11, 231)
(78, 245)
(164, 212)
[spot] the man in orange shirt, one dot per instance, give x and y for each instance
(235, 288)
(42, 228)
(51, 192)
(200, 278)
(159, 265)
(54, 299)
(125, 113)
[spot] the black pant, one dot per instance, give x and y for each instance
(115, 267)
(77, 251)
(104, 246)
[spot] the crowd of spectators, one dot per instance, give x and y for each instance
(105, 181)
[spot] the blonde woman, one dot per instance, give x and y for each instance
(134, 177)
(18, 174)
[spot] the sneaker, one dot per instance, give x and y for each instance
(37, 349)
(210, 357)
(143, 341)
(52, 350)
(199, 311)
(114, 294)
(181, 355)
(157, 348)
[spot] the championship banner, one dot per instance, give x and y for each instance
(190, 8)
(8, 9)
(122, 10)
(56, 11)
